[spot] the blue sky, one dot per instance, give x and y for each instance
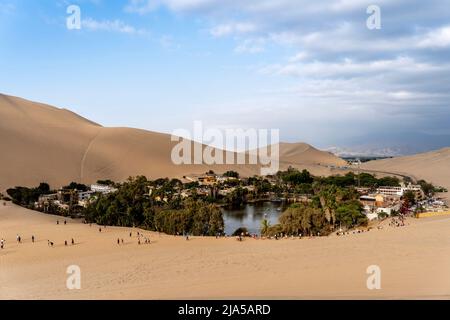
(310, 68)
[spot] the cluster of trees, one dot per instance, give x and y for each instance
(429, 189)
(363, 179)
(231, 174)
(295, 177)
(28, 196)
(76, 186)
(302, 182)
(331, 206)
(131, 205)
(134, 205)
(196, 218)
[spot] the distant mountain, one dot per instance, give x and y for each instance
(41, 143)
(386, 144)
(366, 152)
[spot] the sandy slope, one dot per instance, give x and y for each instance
(44, 143)
(432, 166)
(414, 261)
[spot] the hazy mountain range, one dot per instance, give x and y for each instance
(387, 144)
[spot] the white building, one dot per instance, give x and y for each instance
(368, 211)
(387, 211)
(102, 188)
(85, 195)
(399, 191)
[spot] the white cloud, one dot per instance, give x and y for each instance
(302, 55)
(250, 46)
(437, 38)
(347, 68)
(111, 26)
(146, 6)
(232, 28)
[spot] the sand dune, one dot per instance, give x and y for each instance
(432, 166)
(44, 143)
(414, 262)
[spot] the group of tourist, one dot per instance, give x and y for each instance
(397, 222)
(18, 239)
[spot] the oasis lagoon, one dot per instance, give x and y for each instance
(250, 216)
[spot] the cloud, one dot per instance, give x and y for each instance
(349, 68)
(250, 46)
(437, 38)
(332, 68)
(111, 26)
(232, 28)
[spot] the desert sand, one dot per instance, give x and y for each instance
(414, 262)
(41, 143)
(432, 166)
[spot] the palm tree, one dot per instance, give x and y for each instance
(327, 197)
(265, 225)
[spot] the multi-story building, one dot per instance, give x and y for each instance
(400, 191)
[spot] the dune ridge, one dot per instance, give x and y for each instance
(44, 143)
(432, 166)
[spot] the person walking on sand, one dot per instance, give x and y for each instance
(65, 222)
(32, 239)
(57, 221)
(2, 243)
(65, 243)
(99, 229)
(131, 234)
(73, 241)
(118, 241)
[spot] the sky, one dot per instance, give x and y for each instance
(312, 69)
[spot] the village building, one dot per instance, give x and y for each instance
(102, 188)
